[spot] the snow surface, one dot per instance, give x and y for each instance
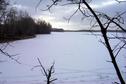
(79, 59)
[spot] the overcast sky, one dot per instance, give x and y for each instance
(58, 13)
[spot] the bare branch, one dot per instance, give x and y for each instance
(35, 67)
(115, 47)
(42, 67)
(109, 61)
(120, 50)
(38, 4)
(10, 56)
(117, 18)
(103, 43)
(47, 73)
(50, 6)
(72, 15)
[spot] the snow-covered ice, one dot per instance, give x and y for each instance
(79, 59)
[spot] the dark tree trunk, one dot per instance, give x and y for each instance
(104, 31)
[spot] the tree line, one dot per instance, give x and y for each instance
(17, 24)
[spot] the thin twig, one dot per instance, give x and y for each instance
(10, 56)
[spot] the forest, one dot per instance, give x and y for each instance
(17, 24)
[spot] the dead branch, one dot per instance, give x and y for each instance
(38, 4)
(48, 73)
(120, 49)
(10, 56)
(112, 20)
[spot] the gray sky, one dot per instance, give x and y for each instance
(58, 13)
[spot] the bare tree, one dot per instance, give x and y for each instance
(105, 26)
(12, 57)
(3, 6)
(3, 12)
(47, 72)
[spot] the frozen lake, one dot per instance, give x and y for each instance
(79, 59)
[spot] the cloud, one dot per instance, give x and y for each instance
(55, 22)
(56, 17)
(104, 4)
(58, 12)
(19, 6)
